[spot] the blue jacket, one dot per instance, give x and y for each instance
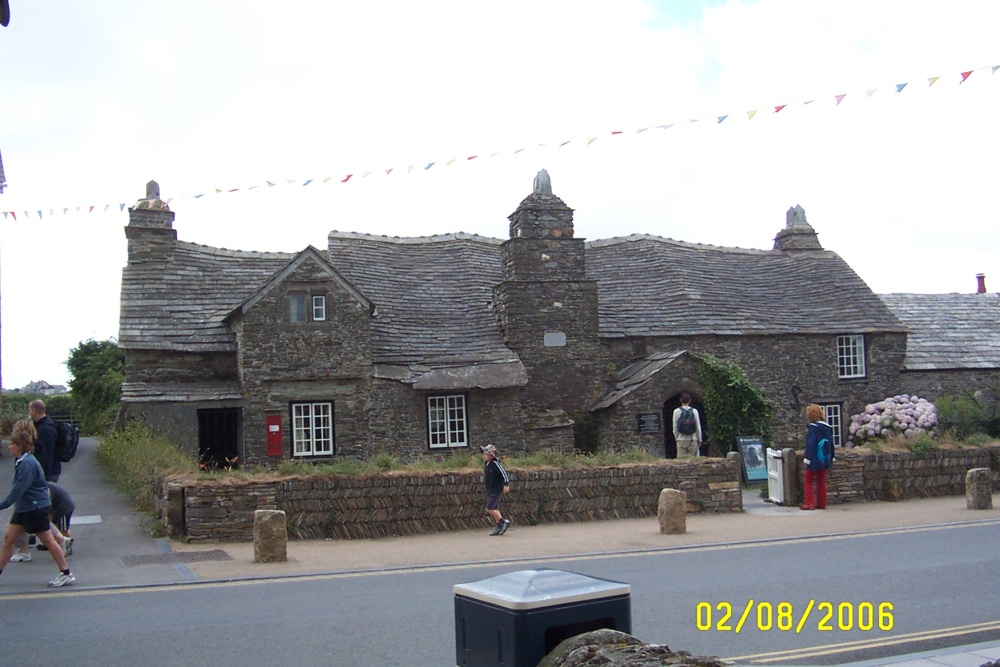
(817, 431)
(28, 490)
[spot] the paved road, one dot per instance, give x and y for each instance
(129, 605)
(406, 616)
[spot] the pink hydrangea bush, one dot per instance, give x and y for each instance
(904, 415)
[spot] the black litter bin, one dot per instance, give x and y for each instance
(515, 619)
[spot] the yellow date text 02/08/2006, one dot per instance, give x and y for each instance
(783, 617)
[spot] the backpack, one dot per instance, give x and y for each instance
(685, 422)
(67, 440)
(822, 456)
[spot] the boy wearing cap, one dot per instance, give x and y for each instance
(497, 483)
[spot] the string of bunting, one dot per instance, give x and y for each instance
(837, 99)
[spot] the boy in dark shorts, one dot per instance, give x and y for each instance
(497, 483)
(29, 494)
(61, 514)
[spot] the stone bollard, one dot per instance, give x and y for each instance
(979, 489)
(175, 511)
(672, 512)
(270, 537)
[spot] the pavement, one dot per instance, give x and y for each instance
(114, 547)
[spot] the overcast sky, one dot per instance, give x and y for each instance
(97, 98)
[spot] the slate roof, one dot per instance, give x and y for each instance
(653, 286)
(433, 298)
(180, 303)
(634, 376)
(432, 319)
(949, 331)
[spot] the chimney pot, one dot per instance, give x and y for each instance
(981, 278)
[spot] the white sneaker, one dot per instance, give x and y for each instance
(20, 557)
(67, 546)
(62, 580)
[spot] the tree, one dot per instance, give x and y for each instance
(97, 370)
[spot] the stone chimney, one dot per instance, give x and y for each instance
(546, 308)
(981, 279)
(150, 231)
(798, 234)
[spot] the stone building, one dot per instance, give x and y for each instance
(953, 342)
(420, 346)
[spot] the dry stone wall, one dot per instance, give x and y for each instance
(862, 475)
(351, 507)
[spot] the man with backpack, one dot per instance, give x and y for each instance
(687, 428)
(45, 443)
(817, 459)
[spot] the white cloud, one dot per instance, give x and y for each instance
(104, 96)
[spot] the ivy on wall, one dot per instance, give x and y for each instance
(733, 405)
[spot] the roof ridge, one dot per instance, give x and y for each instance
(227, 252)
(434, 238)
(617, 240)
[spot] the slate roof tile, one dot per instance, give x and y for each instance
(433, 295)
(652, 286)
(949, 331)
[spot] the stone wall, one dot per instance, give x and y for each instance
(934, 384)
(861, 475)
(351, 507)
(282, 362)
(399, 420)
(791, 370)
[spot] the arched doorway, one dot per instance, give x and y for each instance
(671, 404)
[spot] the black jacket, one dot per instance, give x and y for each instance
(495, 477)
(45, 447)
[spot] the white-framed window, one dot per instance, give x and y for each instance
(851, 356)
(305, 308)
(296, 307)
(319, 308)
(447, 424)
(312, 429)
(832, 411)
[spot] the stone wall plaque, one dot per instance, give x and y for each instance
(649, 423)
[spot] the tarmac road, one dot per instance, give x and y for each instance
(112, 550)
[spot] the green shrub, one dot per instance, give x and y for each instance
(734, 406)
(978, 439)
(971, 412)
(922, 444)
(134, 459)
(586, 433)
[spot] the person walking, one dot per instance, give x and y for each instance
(60, 515)
(817, 459)
(45, 441)
(497, 483)
(29, 494)
(687, 428)
(21, 552)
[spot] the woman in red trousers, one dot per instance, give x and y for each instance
(818, 458)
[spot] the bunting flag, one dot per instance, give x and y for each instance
(750, 115)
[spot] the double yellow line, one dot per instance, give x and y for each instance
(847, 647)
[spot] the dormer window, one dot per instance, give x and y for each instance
(306, 308)
(297, 308)
(319, 308)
